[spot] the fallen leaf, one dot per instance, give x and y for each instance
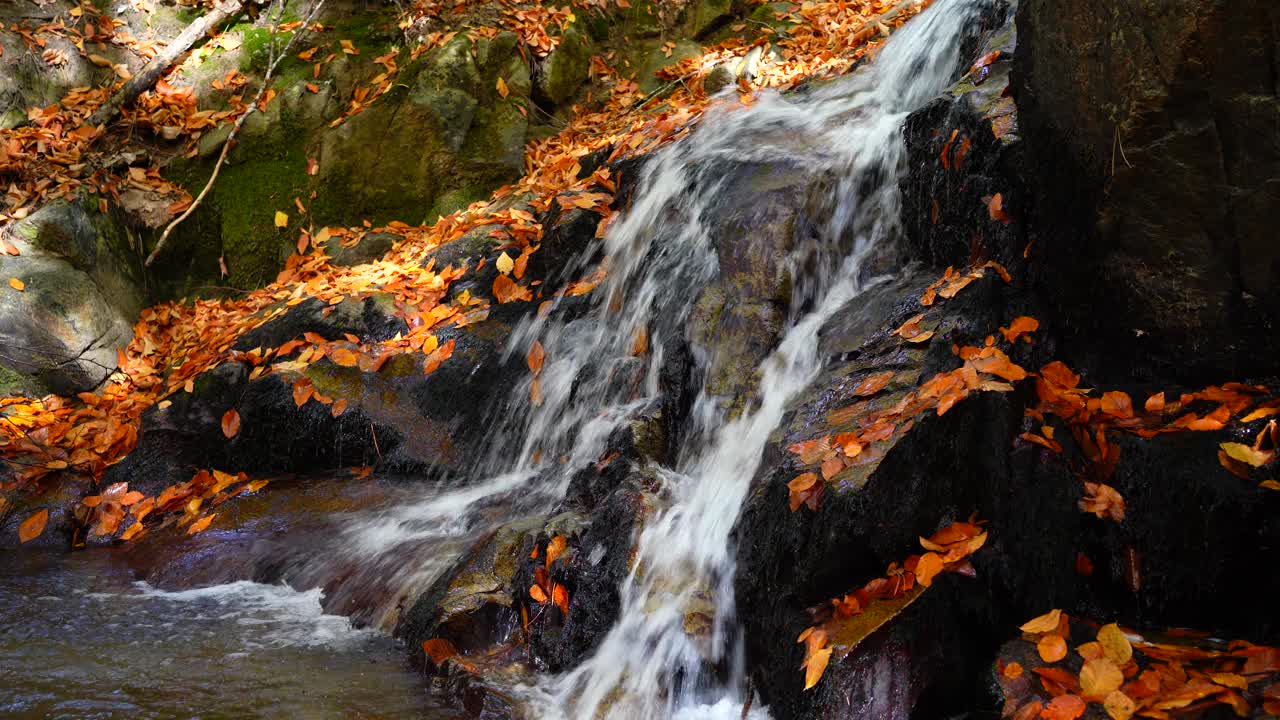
(282, 219)
(1044, 623)
(31, 528)
(1115, 644)
(1248, 455)
(438, 650)
(995, 206)
(535, 358)
(505, 264)
(560, 596)
(17, 284)
(230, 423)
(1119, 706)
(1052, 648)
(928, 567)
(1019, 327)
(502, 88)
(1098, 678)
(1063, 707)
(555, 547)
(815, 665)
(537, 594)
(200, 525)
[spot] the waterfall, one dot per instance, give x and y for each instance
(660, 253)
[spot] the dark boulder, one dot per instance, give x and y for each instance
(1154, 132)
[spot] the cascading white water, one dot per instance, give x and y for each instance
(649, 666)
(660, 253)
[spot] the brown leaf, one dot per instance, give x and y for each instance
(872, 384)
(538, 595)
(31, 528)
(506, 290)
(928, 567)
(995, 206)
(231, 423)
(1119, 706)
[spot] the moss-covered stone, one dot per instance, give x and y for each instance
(566, 68)
(704, 16)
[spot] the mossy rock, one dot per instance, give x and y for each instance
(566, 68)
(658, 59)
(703, 16)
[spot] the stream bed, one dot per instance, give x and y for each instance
(81, 638)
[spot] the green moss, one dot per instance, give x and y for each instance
(15, 383)
(335, 381)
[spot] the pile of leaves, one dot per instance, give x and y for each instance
(1123, 674)
(845, 621)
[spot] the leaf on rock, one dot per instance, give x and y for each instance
(538, 595)
(201, 524)
(1019, 327)
(1052, 648)
(438, 650)
(506, 290)
(505, 264)
(1045, 623)
(231, 423)
(1115, 644)
(815, 665)
(1063, 707)
(1098, 678)
(32, 527)
(17, 284)
(1119, 706)
(555, 548)
(535, 357)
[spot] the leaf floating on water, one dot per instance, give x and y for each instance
(231, 423)
(32, 527)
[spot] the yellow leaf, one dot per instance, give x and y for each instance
(1246, 454)
(17, 284)
(1269, 485)
(1045, 623)
(1098, 678)
(505, 264)
(815, 665)
(282, 220)
(1115, 644)
(502, 88)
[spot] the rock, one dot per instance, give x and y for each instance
(705, 16)
(372, 246)
(1156, 138)
(566, 68)
(80, 300)
(718, 79)
(658, 59)
(442, 137)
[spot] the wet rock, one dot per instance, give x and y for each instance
(705, 16)
(80, 299)
(1155, 144)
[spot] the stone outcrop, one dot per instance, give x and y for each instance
(81, 293)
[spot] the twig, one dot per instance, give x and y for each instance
(235, 130)
(152, 71)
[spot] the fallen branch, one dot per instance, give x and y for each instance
(152, 71)
(235, 130)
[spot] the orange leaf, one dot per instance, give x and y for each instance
(929, 566)
(560, 596)
(1052, 648)
(1155, 404)
(230, 423)
(1063, 707)
(815, 665)
(1013, 670)
(201, 524)
(438, 650)
(995, 206)
(537, 594)
(31, 528)
(555, 548)
(344, 357)
(536, 357)
(17, 284)
(873, 384)
(1019, 326)
(1117, 404)
(506, 290)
